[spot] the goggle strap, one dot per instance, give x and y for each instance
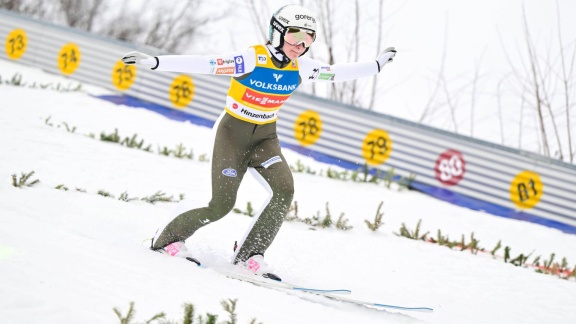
(277, 25)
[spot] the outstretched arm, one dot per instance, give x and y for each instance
(232, 64)
(316, 71)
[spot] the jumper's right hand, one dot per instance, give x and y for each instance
(140, 59)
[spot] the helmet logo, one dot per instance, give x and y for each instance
(279, 27)
(284, 20)
(305, 17)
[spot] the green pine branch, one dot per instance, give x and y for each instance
(24, 180)
(377, 219)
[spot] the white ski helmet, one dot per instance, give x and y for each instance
(290, 16)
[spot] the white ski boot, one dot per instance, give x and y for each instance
(256, 265)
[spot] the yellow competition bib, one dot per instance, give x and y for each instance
(258, 97)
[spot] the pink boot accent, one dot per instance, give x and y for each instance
(253, 265)
(173, 248)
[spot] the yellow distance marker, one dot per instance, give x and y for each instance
(123, 75)
(526, 189)
(69, 58)
(181, 91)
(376, 147)
(308, 128)
(16, 44)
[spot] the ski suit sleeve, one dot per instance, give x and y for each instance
(231, 64)
(315, 71)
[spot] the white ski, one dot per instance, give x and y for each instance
(270, 283)
(334, 294)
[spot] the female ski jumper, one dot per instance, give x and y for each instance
(263, 78)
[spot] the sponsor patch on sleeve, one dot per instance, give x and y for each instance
(226, 70)
(239, 63)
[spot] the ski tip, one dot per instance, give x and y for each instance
(423, 309)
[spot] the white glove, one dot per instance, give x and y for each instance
(140, 59)
(385, 57)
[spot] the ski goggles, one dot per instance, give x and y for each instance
(296, 36)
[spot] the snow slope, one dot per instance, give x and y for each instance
(71, 256)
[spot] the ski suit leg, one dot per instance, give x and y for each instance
(229, 164)
(270, 168)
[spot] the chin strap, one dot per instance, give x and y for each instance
(285, 60)
(279, 55)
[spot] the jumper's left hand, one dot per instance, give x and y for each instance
(139, 58)
(385, 57)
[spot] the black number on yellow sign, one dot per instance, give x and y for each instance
(309, 127)
(526, 189)
(124, 75)
(181, 91)
(16, 44)
(69, 58)
(527, 192)
(377, 146)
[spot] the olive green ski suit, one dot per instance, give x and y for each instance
(240, 145)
